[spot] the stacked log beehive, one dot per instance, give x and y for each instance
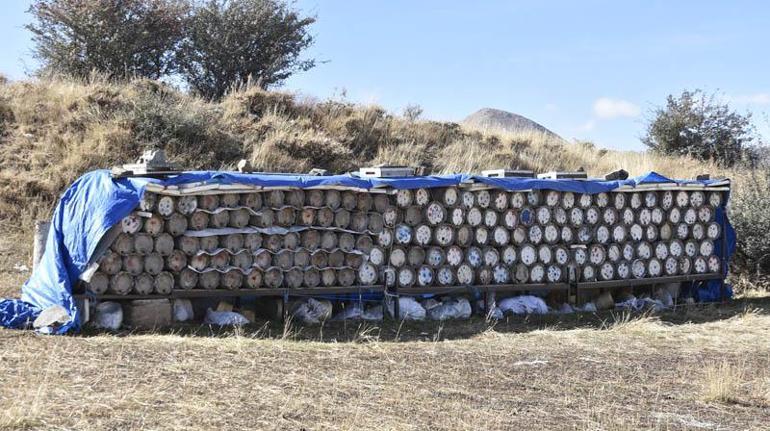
(419, 237)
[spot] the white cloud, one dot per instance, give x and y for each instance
(607, 108)
(752, 99)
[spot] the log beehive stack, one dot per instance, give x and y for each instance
(422, 237)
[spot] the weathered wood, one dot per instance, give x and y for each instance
(346, 277)
(111, 263)
(164, 283)
(251, 200)
(349, 200)
(328, 277)
(209, 243)
(121, 283)
(164, 244)
(186, 279)
(153, 263)
(229, 200)
(286, 217)
(153, 225)
(123, 244)
(208, 280)
(232, 242)
(328, 240)
(176, 261)
(311, 277)
(241, 260)
(254, 279)
(336, 259)
(319, 259)
(273, 278)
(143, 284)
(143, 243)
(346, 242)
(232, 280)
(220, 260)
(284, 259)
(342, 219)
(99, 283)
(199, 262)
(208, 202)
(133, 264)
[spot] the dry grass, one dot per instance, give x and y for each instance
(641, 373)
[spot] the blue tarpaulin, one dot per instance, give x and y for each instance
(96, 202)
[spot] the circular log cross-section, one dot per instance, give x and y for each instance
(284, 259)
(314, 198)
(148, 201)
(254, 279)
(358, 221)
(310, 239)
(367, 274)
(208, 280)
(190, 245)
(346, 277)
(241, 260)
(311, 277)
(166, 206)
(295, 198)
(319, 259)
(328, 240)
(307, 216)
(325, 217)
(275, 198)
(252, 241)
(421, 197)
(133, 264)
(328, 277)
(176, 261)
(250, 200)
(232, 242)
(143, 284)
(219, 260)
(346, 242)
(291, 241)
(336, 259)
(239, 218)
(143, 244)
(349, 201)
(208, 202)
(286, 216)
(131, 224)
(273, 278)
(153, 263)
(342, 219)
(153, 225)
(381, 202)
(121, 283)
(123, 244)
(209, 243)
(220, 219)
(413, 215)
(199, 262)
(99, 283)
(187, 204)
(199, 220)
(232, 280)
(176, 224)
(164, 283)
(187, 279)
(302, 258)
(263, 260)
(332, 199)
(110, 263)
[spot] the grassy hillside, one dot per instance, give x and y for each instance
(54, 130)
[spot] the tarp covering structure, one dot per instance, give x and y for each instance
(96, 202)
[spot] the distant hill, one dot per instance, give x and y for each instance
(496, 120)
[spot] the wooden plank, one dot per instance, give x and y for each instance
(645, 281)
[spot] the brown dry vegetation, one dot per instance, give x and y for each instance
(582, 372)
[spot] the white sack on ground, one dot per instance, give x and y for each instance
(408, 309)
(108, 315)
(312, 311)
(451, 308)
(524, 304)
(225, 318)
(183, 310)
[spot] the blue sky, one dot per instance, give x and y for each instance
(588, 69)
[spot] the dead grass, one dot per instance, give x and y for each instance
(437, 377)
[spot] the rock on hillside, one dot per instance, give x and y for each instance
(496, 120)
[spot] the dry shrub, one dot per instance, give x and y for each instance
(722, 383)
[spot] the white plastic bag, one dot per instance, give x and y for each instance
(352, 311)
(408, 309)
(312, 311)
(524, 304)
(183, 310)
(450, 308)
(108, 315)
(225, 318)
